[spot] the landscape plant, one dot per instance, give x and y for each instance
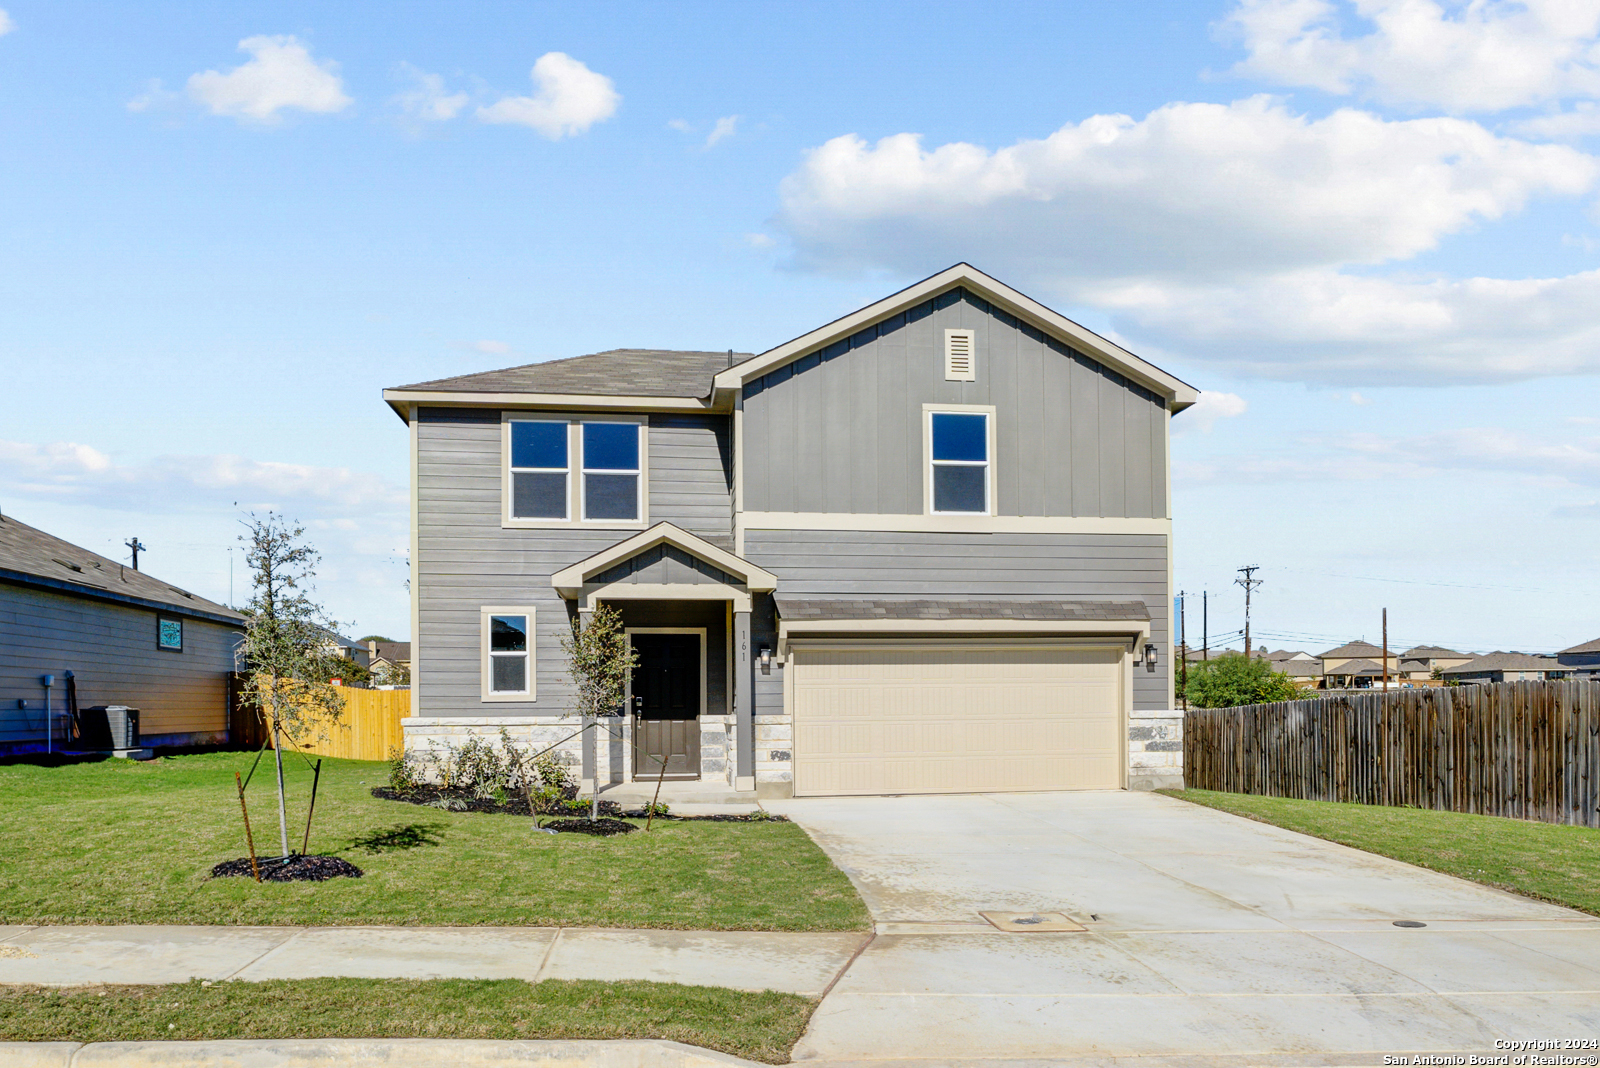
(287, 677)
(600, 661)
(1233, 679)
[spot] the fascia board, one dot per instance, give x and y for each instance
(1179, 393)
(399, 398)
(569, 580)
(75, 589)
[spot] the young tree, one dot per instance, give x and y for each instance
(600, 661)
(1233, 679)
(282, 656)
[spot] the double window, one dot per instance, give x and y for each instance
(508, 654)
(959, 448)
(561, 470)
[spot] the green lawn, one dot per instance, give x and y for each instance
(1540, 860)
(758, 1026)
(121, 841)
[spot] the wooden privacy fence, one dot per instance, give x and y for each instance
(367, 729)
(1529, 750)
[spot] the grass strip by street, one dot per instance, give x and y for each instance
(1546, 861)
(126, 842)
(761, 1027)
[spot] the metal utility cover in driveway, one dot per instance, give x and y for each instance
(1026, 922)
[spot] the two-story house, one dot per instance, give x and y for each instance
(925, 547)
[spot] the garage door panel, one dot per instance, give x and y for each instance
(956, 719)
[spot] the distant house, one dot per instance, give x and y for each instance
(1581, 659)
(1506, 667)
(1357, 674)
(389, 660)
(1334, 660)
(345, 648)
(126, 637)
(1419, 661)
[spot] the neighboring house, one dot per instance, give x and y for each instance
(1506, 667)
(1302, 667)
(127, 638)
(390, 662)
(1334, 660)
(922, 548)
(337, 645)
(1358, 674)
(1420, 662)
(1581, 659)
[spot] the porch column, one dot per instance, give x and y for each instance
(744, 684)
(588, 786)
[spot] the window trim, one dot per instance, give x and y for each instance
(510, 471)
(584, 470)
(990, 491)
(575, 459)
(160, 619)
(485, 668)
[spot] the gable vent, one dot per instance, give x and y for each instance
(960, 356)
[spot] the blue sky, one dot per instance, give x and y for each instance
(1369, 231)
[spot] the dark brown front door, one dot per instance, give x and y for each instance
(666, 706)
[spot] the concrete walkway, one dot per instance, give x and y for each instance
(800, 963)
(1211, 940)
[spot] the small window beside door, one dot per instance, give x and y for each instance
(959, 462)
(508, 664)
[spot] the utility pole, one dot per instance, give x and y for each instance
(1205, 628)
(1385, 650)
(1183, 670)
(135, 545)
(1249, 582)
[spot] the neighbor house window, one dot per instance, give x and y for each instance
(169, 634)
(611, 471)
(958, 456)
(539, 470)
(508, 654)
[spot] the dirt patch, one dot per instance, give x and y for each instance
(293, 868)
(603, 828)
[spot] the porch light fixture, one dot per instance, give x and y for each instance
(1149, 656)
(765, 656)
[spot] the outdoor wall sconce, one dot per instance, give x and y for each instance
(1149, 656)
(765, 656)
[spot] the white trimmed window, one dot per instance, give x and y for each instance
(960, 447)
(508, 648)
(561, 471)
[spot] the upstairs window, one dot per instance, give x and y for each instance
(959, 459)
(540, 472)
(611, 471)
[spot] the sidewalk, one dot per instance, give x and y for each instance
(798, 963)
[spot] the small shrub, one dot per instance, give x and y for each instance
(486, 771)
(448, 804)
(403, 771)
(655, 808)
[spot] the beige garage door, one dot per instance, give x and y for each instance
(959, 718)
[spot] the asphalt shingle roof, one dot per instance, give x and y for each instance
(1586, 647)
(29, 553)
(1430, 652)
(1353, 649)
(1503, 661)
(614, 373)
(1358, 667)
(798, 608)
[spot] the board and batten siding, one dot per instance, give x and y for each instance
(840, 430)
(111, 650)
(1021, 567)
(466, 560)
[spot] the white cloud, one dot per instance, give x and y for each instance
(762, 241)
(1358, 399)
(1581, 121)
(1227, 232)
(281, 74)
(493, 348)
(428, 101)
(6, 22)
(81, 474)
(722, 130)
(1211, 406)
(1482, 56)
(681, 125)
(570, 98)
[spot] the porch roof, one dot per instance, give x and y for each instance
(580, 578)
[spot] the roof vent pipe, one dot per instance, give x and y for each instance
(730, 357)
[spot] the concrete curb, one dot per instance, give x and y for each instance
(380, 1052)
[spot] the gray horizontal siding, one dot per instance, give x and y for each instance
(466, 560)
(111, 649)
(809, 563)
(666, 563)
(840, 430)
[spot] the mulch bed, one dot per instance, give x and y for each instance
(602, 827)
(293, 868)
(719, 817)
(464, 801)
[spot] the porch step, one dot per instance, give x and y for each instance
(675, 794)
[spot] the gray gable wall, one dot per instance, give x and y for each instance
(840, 430)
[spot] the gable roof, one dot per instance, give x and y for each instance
(1430, 652)
(31, 557)
(568, 582)
(1503, 661)
(1586, 647)
(1178, 393)
(613, 373)
(1353, 649)
(1358, 667)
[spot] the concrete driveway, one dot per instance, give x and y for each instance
(1211, 939)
